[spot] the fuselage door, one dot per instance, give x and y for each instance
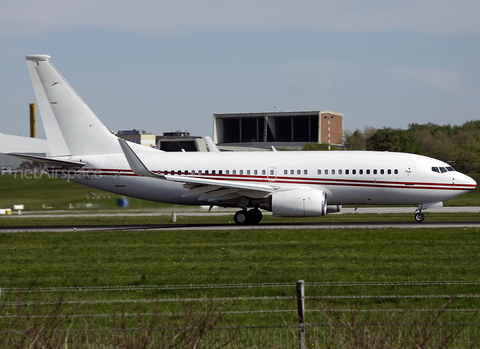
(272, 174)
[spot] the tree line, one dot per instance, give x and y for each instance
(457, 145)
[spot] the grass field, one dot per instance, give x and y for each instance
(142, 258)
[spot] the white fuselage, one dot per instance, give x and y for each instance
(347, 177)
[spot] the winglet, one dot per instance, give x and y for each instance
(211, 146)
(137, 166)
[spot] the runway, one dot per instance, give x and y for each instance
(190, 211)
(229, 227)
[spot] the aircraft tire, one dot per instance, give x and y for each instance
(419, 217)
(254, 216)
(241, 217)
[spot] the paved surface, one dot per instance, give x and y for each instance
(200, 211)
(189, 211)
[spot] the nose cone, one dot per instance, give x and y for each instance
(468, 182)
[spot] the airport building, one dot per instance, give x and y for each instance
(280, 129)
(138, 136)
(180, 141)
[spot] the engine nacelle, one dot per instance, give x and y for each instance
(299, 203)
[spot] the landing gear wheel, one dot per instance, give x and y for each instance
(254, 216)
(241, 217)
(419, 217)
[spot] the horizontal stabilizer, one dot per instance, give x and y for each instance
(51, 161)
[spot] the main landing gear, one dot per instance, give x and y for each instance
(252, 216)
(419, 216)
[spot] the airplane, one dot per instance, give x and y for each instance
(288, 184)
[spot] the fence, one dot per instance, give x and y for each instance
(325, 336)
(99, 317)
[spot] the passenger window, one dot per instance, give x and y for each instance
(360, 171)
(285, 172)
(172, 172)
(374, 171)
(319, 172)
(180, 173)
(396, 171)
(227, 172)
(347, 172)
(368, 171)
(326, 172)
(382, 171)
(220, 172)
(255, 172)
(264, 172)
(299, 172)
(248, 172)
(234, 172)
(206, 172)
(354, 171)
(272, 172)
(241, 172)
(305, 172)
(339, 172)
(333, 172)
(435, 169)
(389, 171)
(292, 172)
(213, 172)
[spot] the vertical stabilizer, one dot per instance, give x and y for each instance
(70, 125)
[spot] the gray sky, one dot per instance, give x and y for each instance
(162, 65)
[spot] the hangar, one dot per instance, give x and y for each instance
(284, 129)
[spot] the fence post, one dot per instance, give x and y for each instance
(301, 311)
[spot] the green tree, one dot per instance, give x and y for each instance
(389, 139)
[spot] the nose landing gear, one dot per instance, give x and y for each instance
(419, 216)
(253, 216)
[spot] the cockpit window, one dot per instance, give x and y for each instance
(435, 169)
(443, 169)
(450, 169)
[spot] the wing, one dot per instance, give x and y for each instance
(210, 190)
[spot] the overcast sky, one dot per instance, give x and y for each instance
(163, 65)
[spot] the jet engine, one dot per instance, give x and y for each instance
(299, 203)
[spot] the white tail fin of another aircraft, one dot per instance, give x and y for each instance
(70, 125)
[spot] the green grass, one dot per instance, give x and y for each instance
(226, 257)
(233, 257)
